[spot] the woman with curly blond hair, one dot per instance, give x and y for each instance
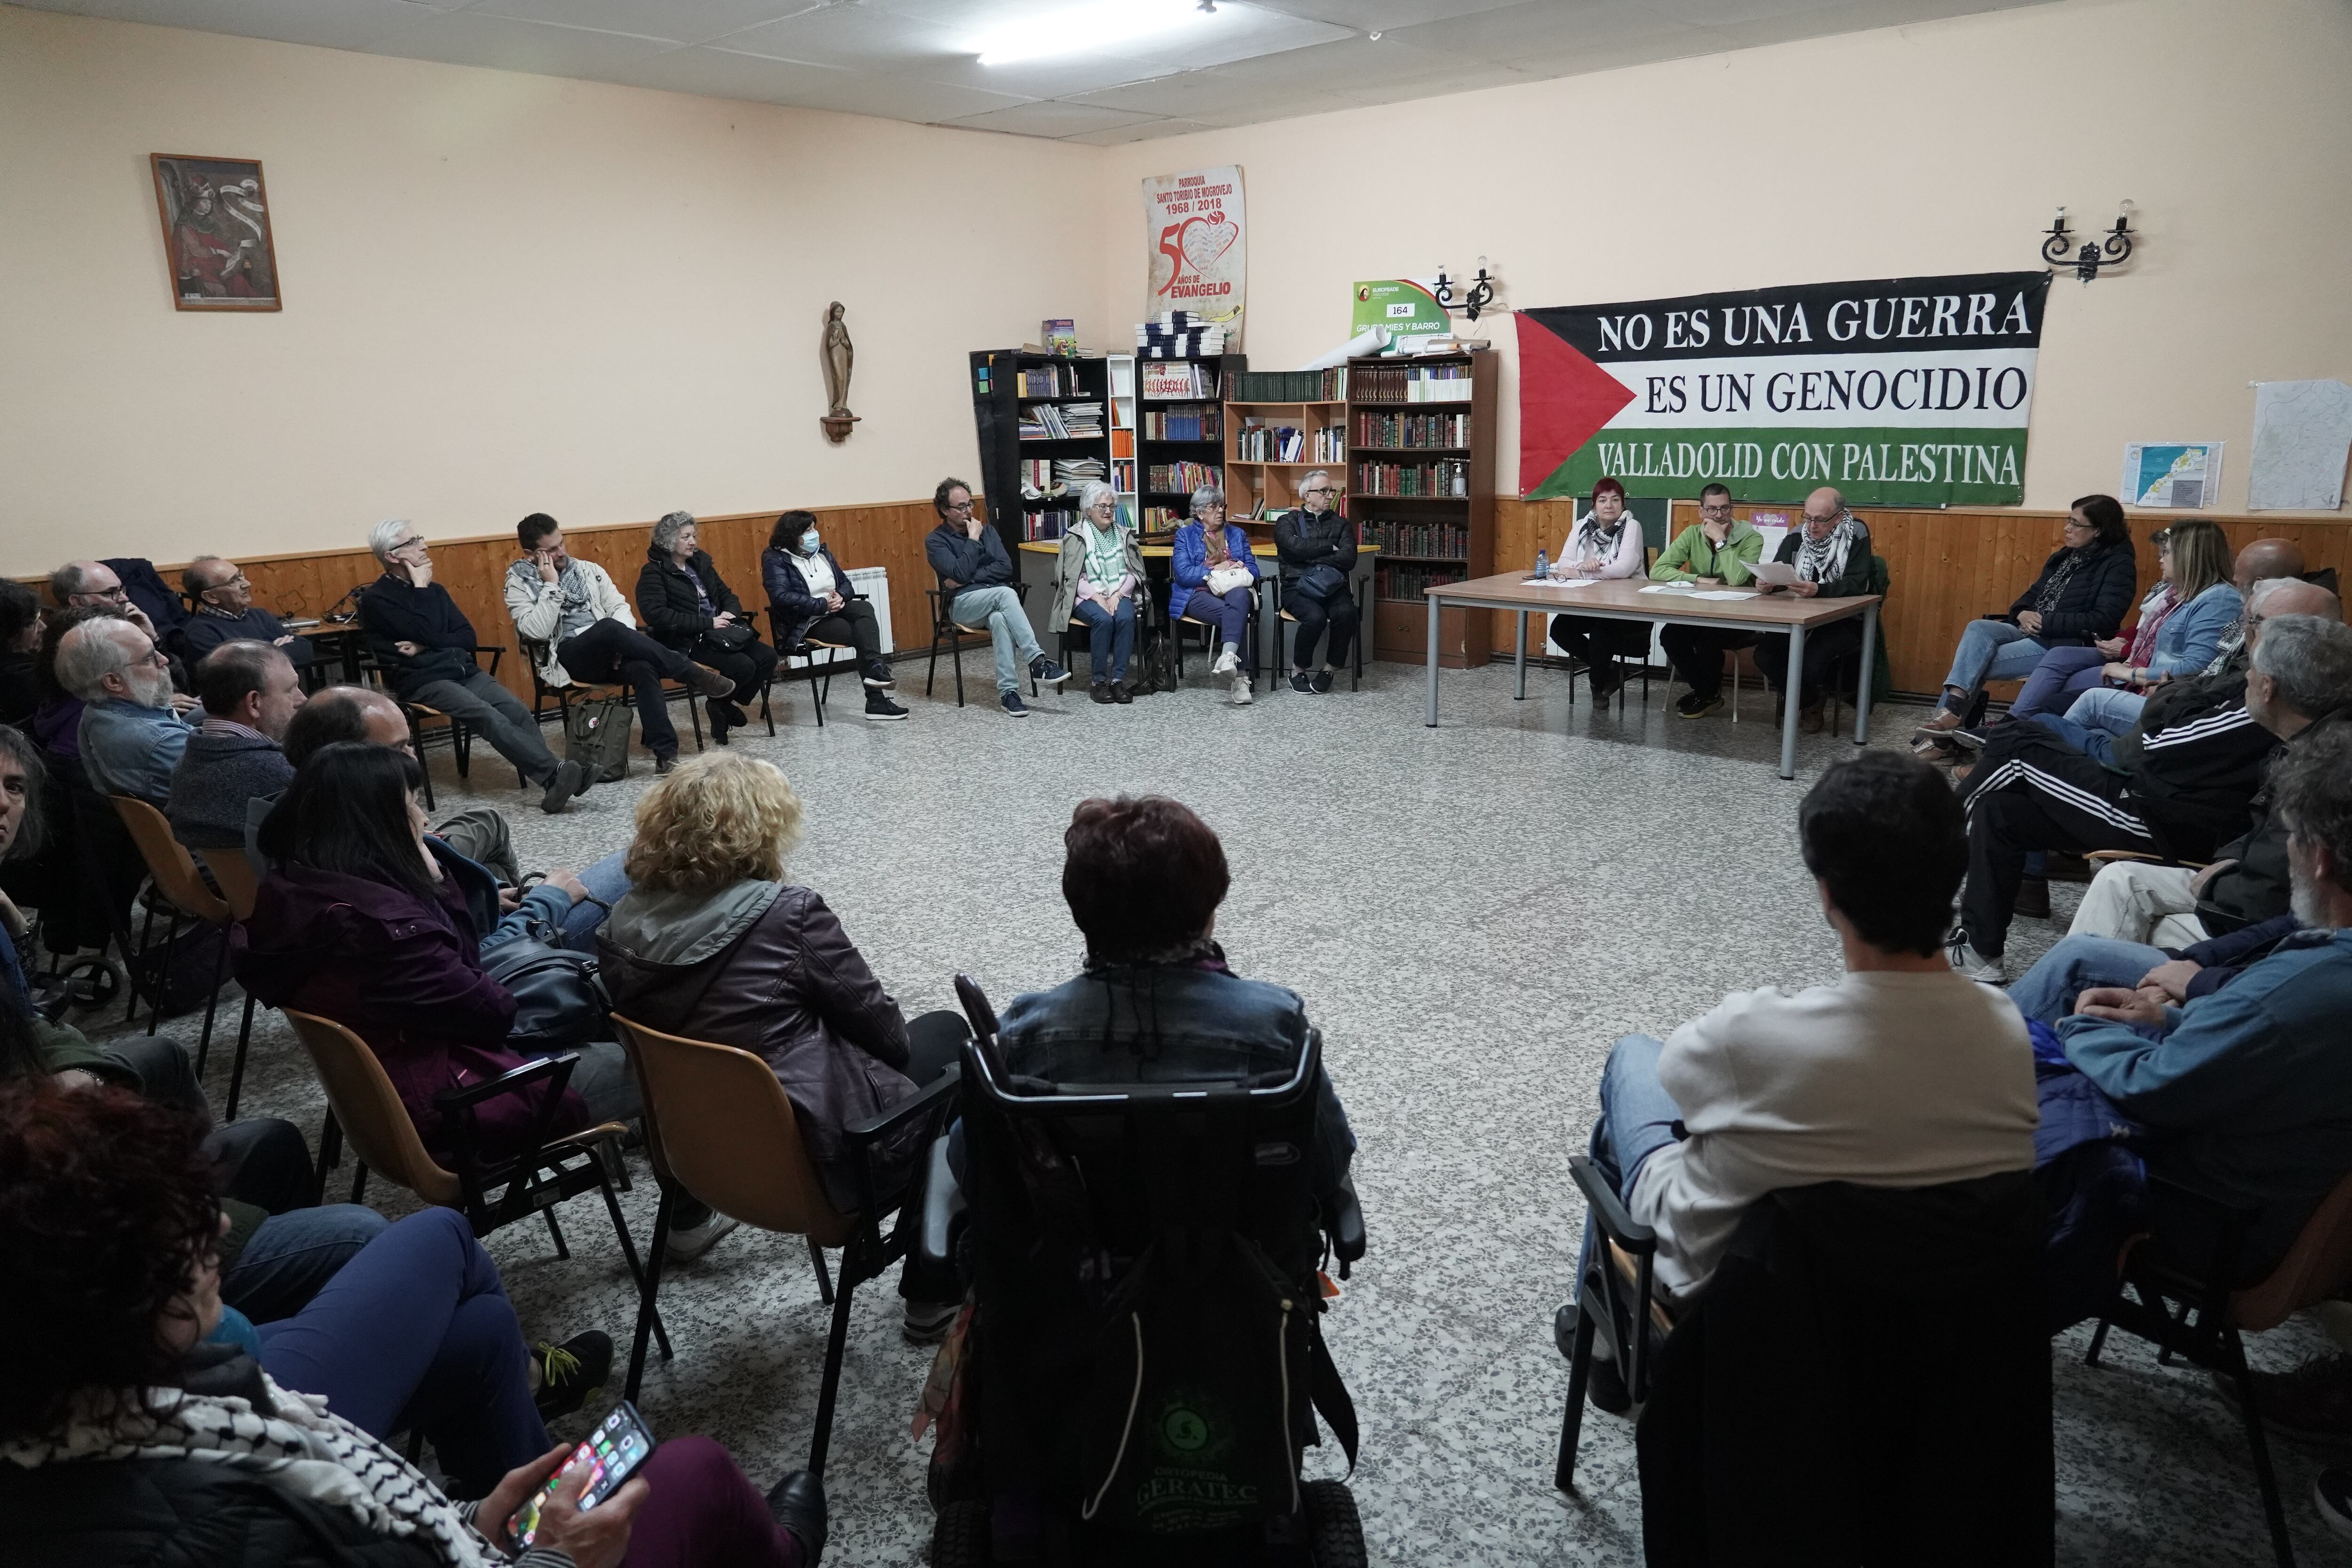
(712, 944)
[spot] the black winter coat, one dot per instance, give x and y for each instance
(2094, 601)
(179, 1513)
(665, 598)
(1302, 542)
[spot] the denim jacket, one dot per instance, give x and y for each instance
(2192, 633)
(130, 749)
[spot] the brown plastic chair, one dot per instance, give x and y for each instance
(231, 873)
(177, 880)
(363, 1107)
(2213, 1319)
(743, 1155)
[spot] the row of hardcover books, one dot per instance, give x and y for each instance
(1429, 540)
(1402, 582)
(1446, 477)
(1292, 385)
(1199, 422)
(1413, 430)
(1414, 384)
(1180, 478)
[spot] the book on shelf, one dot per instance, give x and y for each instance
(1331, 444)
(1403, 582)
(1061, 335)
(1046, 381)
(1061, 421)
(1178, 379)
(1413, 383)
(1292, 385)
(1160, 521)
(1182, 479)
(1179, 335)
(1082, 419)
(1042, 525)
(1185, 422)
(1401, 430)
(1122, 442)
(1400, 539)
(1445, 476)
(1122, 475)
(1071, 473)
(1259, 442)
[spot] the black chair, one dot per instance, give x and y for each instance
(1210, 635)
(1279, 676)
(1077, 637)
(946, 630)
(818, 674)
(534, 654)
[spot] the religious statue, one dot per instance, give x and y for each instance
(839, 356)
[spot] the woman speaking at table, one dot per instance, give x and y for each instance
(1605, 543)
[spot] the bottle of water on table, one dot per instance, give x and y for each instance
(1543, 563)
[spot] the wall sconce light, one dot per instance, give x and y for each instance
(1481, 294)
(2112, 251)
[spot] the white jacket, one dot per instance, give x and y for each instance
(537, 608)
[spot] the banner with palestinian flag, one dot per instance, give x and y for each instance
(1900, 392)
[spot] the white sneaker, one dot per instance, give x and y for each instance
(1228, 661)
(686, 1245)
(1969, 962)
(1241, 690)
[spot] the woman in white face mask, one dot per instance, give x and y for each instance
(810, 596)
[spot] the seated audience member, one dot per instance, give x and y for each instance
(1606, 542)
(1903, 1074)
(250, 693)
(976, 578)
(57, 719)
(1716, 552)
(690, 607)
(2264, 561)
(424, 646)
(587, 632)
(2201, 562)
(2081, 595)
(1315, 555)
(132, 735)
(225, 611)
(2181, 781)
(1097, 578)
(93, 585)
(1831, 552)
(713, 943)
(1157, 1003)
(156, 1423)
(359, 922)
(2246, 1089)
(809, 595)
(1213, 579)
(20, 642)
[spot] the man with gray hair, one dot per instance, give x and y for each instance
(424, 646)
(131, 735)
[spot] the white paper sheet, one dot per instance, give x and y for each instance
(1558, 582)
(2302, 432)
(1726, 594)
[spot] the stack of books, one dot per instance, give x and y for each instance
(1071, 473)
(1082, 419)
(1179, 335)
(1050, 422)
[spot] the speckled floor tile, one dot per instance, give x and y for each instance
(1473, 912)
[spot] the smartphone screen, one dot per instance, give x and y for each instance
(614, 1451)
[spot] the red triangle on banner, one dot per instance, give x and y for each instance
(1564, 400)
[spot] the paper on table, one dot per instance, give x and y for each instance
(1726, 594)
(1558, 581)
(1667, 588)
(1778, 573)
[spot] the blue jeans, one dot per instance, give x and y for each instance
(2076, 964)
(289, 1258)
(2064, 674)
(2095, 722)
(1229, 615)
(998, 608)
(1637, 1120)
(417, 1331)
(606, 880)
(1113, 637)
(1991, 650)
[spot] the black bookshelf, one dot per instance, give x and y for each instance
(1207, 451)
(1006, 384)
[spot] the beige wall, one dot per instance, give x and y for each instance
(1937, 148)
(504, 293)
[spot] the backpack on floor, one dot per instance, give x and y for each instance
(596, 736)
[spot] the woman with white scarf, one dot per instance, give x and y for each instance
(146, 1425)
(1605, 543)
(1096, 583)
(1831, 555)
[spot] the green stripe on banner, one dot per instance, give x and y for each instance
(1873, 467)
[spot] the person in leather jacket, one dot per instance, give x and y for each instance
(1315, 547)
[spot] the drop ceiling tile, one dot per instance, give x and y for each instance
(1370, 14)
(327, 23)
(680, 21)
(1047, 118)
(1849, 16)
(716, 73)
(1185, 95)
(1142, 131)
(1531, 28)
(858, 38)
(1344, 62)
(890, 97)
(1470, 76)
(1258, 111)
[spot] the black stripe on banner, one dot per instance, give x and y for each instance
(1876, 316)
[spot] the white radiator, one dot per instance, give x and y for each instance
(874, 582)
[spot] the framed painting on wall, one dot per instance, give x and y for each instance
(215, 214)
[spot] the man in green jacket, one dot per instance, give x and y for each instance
(1715, 552)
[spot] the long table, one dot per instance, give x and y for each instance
(1625, 601)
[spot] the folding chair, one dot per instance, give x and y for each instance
(947, 630)
(1209, 634)
(231, 873)
(811, 670)
(422, 716)
(1279, 675)
(177, 880)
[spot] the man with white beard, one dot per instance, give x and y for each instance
(131, 736)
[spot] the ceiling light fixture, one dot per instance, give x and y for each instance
(1104, 24)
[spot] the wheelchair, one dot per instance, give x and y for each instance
(1139, 1368)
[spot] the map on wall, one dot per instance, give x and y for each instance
(2303, 430)
(2172, 474)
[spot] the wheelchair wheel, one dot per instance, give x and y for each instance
(960, 1538)
(1334, 1534)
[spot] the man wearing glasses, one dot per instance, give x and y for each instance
(974, 568)
(424, 646)
(226, 613)
(131, 737)
(1716, 552)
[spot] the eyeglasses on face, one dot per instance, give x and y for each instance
(414, 542)
(964, 505)
(1723, 511)
(239, 581)
(1318, 490)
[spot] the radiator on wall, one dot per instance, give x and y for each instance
(874, 582)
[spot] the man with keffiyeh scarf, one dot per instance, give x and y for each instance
(1831, 555)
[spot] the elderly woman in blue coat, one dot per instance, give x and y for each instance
(1216, 581)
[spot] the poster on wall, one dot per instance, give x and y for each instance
(2172, 474)
(1192, 229)
(1899, 392)
(216, 241)
(1403, 307)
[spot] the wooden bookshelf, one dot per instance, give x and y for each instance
(1008, 388)
(1161, 505)
(1421, 484)
(1259, 485)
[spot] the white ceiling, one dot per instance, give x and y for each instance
(916, 60)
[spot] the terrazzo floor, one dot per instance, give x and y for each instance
(1473, 912)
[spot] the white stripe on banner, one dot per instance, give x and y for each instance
(1940, 389)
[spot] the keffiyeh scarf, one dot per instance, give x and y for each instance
(1591, 539)
(1823, 559)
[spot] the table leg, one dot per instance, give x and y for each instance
(1861, 677)
(1520, 645)
(1788, 698)
(1430, 719)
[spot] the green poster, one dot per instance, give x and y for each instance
(1405, 308)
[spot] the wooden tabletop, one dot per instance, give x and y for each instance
(1622, 598)
(1258, 547)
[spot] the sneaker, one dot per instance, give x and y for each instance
(1046, 672)
(1229, 659)
(1099, 691)
(1934, 749)
(879, 707)
(1322, 683)
(1697, 704)
(702, 679)
(1301, 681)
(567, 779)
(878, 674)
(797, 1504)
(665, 766)
(1969, 962)
(2333, 1492)
(1966, 740)
(928, 1322)
(568, 1375)
(2311, 1406)
(2033, 897)
(686, 1245)
(1241, 690)
(1013, 705)
(1604, 1385)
